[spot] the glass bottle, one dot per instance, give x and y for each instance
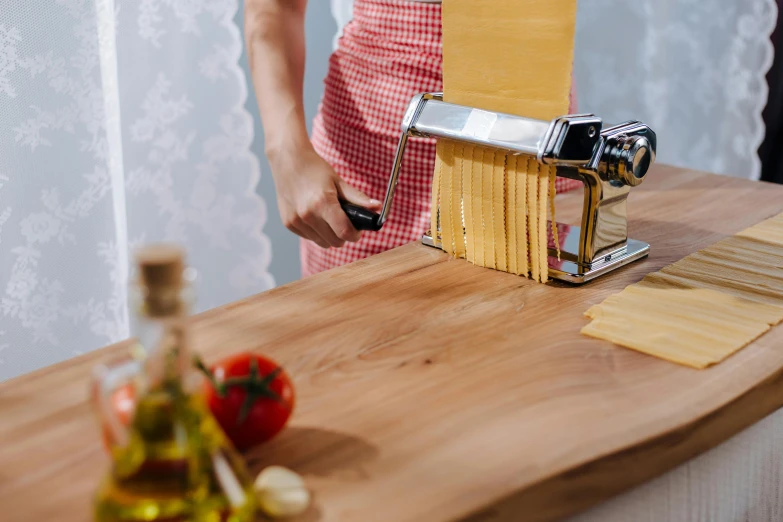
(171, 462)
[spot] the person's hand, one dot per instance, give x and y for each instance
(309, 192)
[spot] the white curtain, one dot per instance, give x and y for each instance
(693, 70)
(739, 481)
(121, 122)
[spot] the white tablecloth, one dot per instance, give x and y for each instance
(738, 481)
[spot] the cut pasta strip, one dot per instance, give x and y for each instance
(769, 231)
(735, 288)
(520, 212)
(533, 218)
(511, 218)
(477, 169)
(499, 211)
(541, 212)
(487, 207)
(436, 190)
(668, 341)
(703, 308)
(469, 174)
(446, 157)
(457, 217)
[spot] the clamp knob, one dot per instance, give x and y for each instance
(628, 153)
(634, 160)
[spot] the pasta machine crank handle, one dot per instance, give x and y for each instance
(365, 219)
(361, 218)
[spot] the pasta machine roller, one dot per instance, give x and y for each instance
(607, 161)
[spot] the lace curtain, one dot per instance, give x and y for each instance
(693, 70)
(121, 122)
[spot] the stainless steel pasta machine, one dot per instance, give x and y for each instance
(607, 161)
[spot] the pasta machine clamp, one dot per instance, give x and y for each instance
(607, 161)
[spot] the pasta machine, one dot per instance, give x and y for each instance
(607, 161)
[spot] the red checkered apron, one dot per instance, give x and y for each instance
(388, 53)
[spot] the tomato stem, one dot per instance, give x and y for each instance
(254, 384)
(256, 388)
(219, 387)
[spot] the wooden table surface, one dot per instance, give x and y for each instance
(433, 390)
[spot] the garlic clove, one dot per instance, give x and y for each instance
(281, 492)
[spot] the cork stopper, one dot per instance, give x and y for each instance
(160, 266)
(160, 274)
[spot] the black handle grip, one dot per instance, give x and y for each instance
(361, 218)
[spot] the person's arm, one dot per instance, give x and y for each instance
(308, 189)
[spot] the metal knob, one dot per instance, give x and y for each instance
(635, 158)
(628, 159)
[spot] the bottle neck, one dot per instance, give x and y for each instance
(160, 327)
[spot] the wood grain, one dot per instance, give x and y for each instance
(431, 389)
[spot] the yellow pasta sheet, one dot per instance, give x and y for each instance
(705, 307)
(511, 56)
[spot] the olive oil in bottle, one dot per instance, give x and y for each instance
(172, 463)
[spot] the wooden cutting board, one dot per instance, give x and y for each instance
(433, 390)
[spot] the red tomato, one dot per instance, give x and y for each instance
(251, 397)
(123, 401)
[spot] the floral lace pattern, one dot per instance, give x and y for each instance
(121, 121)
(694, 71)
